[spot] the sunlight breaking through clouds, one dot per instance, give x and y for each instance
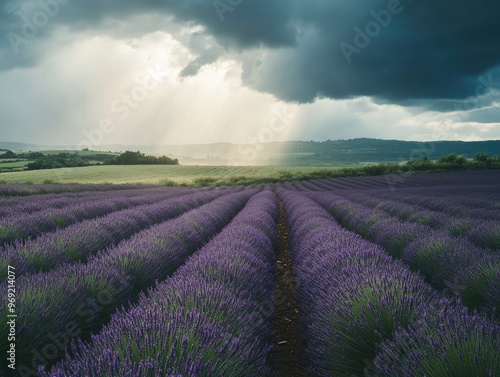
(156, 73)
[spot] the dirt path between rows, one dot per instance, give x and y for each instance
(286, 354)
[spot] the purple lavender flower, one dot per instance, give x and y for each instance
(447, 341)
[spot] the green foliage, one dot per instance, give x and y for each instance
(204, 181)
(421, 163)
(286, 174)
(138, 158)
(483, 157)
(29, 155)
(8, 154)
(380, 169)
(60, 160)
(453, 158)
(75, 159)
(167, 182)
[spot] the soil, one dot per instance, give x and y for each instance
(286, 354)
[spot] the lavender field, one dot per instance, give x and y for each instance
(364, 276)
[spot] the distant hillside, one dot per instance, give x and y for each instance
(375, 150)
(13, 146)
(297, 153)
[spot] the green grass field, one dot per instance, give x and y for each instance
(165, 174)
(17, 164)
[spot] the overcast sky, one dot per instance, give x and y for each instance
(194, 71)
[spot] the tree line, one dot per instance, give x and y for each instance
(66, 159)
(138, 158)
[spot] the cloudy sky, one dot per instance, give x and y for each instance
(194, 71)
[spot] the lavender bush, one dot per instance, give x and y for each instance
(444, 341)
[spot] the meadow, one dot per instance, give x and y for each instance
(164, 174)
(357, 276)
(203, 176)
(14, 164)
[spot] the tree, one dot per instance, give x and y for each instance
(453, 158)
(483, 157)
(8, 154)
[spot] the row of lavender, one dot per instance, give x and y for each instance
(79, 241)
(18, 205)
(19, 226)
(74, 300)
(365, 314)
(452, 264)
(212, 318)
(11, 189)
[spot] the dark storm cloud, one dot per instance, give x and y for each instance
(400, 52)
(421, 50)
(208, 52)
